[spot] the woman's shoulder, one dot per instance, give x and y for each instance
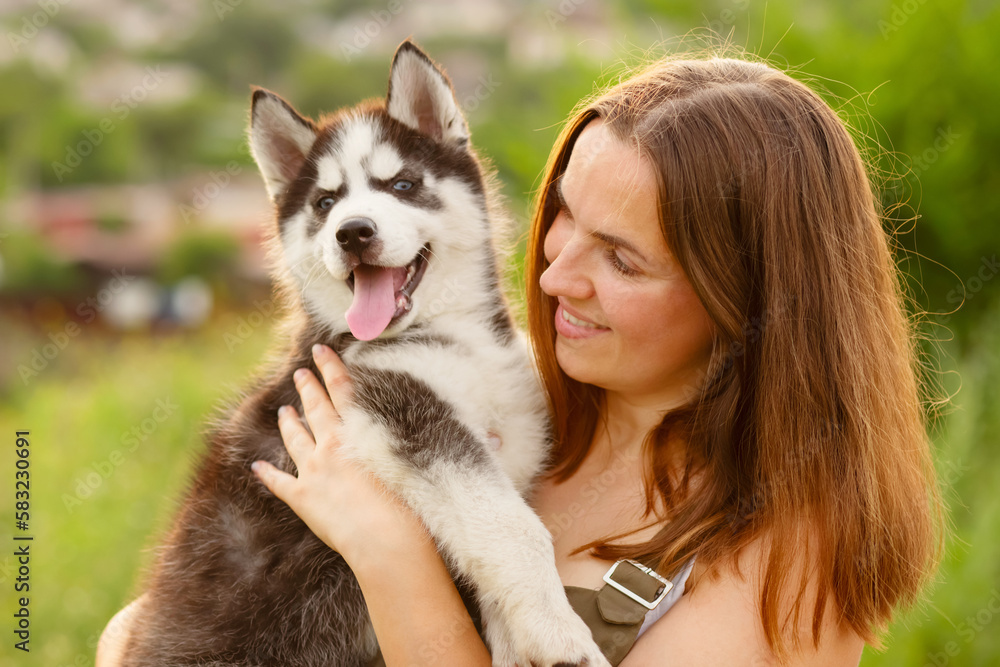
(718, 621)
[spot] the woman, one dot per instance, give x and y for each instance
(719, 324)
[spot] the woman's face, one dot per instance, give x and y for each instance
(628, 319)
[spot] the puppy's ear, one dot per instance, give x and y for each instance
(421, 97)
(280, 140)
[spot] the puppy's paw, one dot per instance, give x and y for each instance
(543, 640)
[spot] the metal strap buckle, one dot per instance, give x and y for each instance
(648, 604)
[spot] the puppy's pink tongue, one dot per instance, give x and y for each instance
(374, 301)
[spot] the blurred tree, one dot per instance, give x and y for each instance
(30, 271)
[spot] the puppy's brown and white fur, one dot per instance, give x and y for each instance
(384, 209)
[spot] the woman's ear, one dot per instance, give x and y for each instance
(422, 98)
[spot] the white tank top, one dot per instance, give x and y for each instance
(671, 598)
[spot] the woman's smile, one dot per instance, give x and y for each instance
(572, 326)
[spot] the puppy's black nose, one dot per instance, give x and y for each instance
(355, 235)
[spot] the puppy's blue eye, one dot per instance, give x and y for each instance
(402, 185)
(324, 203)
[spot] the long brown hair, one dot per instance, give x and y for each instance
(809, 429)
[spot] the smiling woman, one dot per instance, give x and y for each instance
(707, 250)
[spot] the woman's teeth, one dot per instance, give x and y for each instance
(578, 322)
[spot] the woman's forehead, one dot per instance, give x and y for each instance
(599, 154)
(608, 177)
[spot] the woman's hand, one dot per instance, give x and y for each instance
(417, 614)
(341, 502)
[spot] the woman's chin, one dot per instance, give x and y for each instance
(580, 367)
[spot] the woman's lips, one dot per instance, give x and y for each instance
(572, 326)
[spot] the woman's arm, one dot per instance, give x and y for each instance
(111, 645)
(418, 616)
(718, 624)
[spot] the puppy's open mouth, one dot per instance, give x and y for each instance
(383, 294)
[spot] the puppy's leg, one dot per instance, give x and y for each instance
(490, 536)
(484, 528)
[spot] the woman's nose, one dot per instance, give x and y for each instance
(566, 273)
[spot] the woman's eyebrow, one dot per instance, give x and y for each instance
(619, 242)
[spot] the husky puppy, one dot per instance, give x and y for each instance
(383, 248)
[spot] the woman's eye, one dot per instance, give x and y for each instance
(402, 185)
(617, 263)
(324, 203)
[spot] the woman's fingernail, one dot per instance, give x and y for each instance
(319, 350)
(300, 375)
(257, 467)
(282, 410)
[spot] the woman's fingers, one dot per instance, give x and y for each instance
(317, 406)
(320, 414)
(298, 441)
(319, 411)
(335, 375)
(278, 482)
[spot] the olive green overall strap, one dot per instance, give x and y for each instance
(613, 615)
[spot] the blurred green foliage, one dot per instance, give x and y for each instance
(210, 255)
(31, 270)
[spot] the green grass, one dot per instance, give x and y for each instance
(91, 543)
(95, 513)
